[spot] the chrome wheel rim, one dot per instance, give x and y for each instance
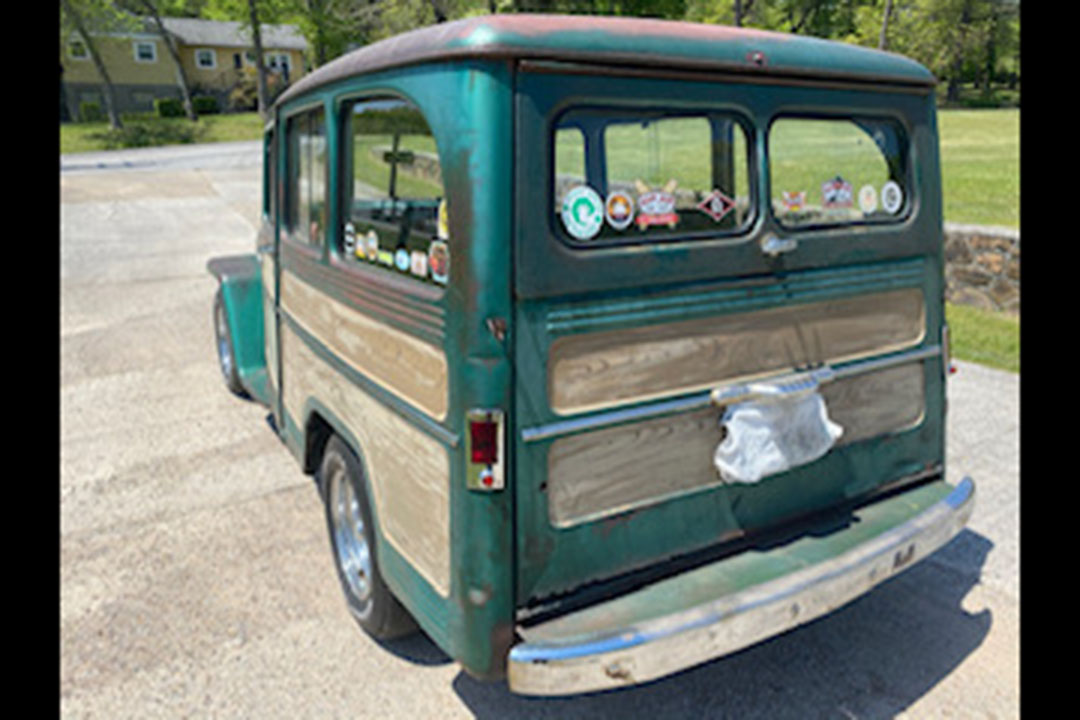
(350, 543)
(224, 356)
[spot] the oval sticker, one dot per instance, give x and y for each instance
(892, 197)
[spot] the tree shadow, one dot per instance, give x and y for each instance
(870, 659)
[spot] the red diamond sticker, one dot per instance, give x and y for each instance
(716, 205)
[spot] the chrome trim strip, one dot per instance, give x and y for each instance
(726, 394)
(622, 656)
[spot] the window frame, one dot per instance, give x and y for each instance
(213, 59)
(86, 50)
(906, 155)
(137, 44)
(732, 236)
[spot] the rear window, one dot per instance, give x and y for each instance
(624, 177)
(837, 171)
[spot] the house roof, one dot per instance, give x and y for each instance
(626, 41)
(194, 31)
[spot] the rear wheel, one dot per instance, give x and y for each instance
(352, 538)
(226, 354)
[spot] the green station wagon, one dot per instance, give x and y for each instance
(614, 345)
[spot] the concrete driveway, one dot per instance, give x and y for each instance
(196, 578)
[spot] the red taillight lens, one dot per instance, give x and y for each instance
(485, 445)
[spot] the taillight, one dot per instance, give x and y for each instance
(484, 450)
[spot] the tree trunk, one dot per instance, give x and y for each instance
(110, 94)
(883, 41)
(181, 76)
(260, 65)
(738, 13)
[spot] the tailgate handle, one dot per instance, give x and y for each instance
(785, 386)
(773, 246)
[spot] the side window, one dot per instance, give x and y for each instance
(306, 217)
(395, 209)
(627, 176)
(837, 171)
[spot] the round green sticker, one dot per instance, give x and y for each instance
(582, 212)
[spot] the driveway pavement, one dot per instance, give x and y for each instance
(196, 577)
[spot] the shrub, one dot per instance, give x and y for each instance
(169, 107)
(205, 104)
(151, 133)
(90, 112)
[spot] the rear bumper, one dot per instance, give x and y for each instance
(601, 658)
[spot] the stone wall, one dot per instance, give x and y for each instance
(982, 267)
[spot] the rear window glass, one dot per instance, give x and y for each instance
(837, 171)
(634, 177)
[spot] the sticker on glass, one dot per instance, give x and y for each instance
(892, 197)
(836, 193)
(418, 263)
(371, 246)
(443, 221)
(439, 261)
(350, 239)
(716, 205)
(619, 209)
(794, 201)
(401, 260)
(657, 206)
(582, 212)
(867, 199)
(385, 257)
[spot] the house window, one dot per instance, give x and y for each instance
(206, 59)
(237, 62)
(145, 52)
(278, 62)
(77, 50)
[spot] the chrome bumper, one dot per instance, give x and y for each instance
(664, 645)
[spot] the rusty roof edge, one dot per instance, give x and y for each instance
(623, 41)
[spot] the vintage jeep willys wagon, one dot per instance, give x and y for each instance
(615, 345)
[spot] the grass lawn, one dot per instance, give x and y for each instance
(980, 166)
(984, 337)
(79, 137)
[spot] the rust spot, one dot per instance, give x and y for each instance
(616, 671)
(503, 638)
(607, 525)
(757, 58)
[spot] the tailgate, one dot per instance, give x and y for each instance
(619, 344)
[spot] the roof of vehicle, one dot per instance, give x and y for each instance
(625, 41)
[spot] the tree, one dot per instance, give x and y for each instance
(170, 45)
(82, 16)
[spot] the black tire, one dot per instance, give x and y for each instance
(225, 350)
(352, 540)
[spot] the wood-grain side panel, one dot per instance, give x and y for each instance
(409, 471)
(411, 369)
(589, 371)
(600, 473)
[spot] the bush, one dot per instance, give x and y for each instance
(151, 133)
(169, 107)
(90, 112)
(205, 105)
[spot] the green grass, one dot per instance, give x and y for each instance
(980, 166)
(79, 137)
(984, 337)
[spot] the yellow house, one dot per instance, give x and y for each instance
(216, 57)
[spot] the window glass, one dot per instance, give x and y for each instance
(646, 176)
(77, 50)
(145, 52)
(205, 58)
(307, 212)
(396, 210)
(836, 171)
(269, 175)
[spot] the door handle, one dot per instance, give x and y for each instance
(773, 246)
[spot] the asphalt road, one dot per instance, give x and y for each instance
(196, 578)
